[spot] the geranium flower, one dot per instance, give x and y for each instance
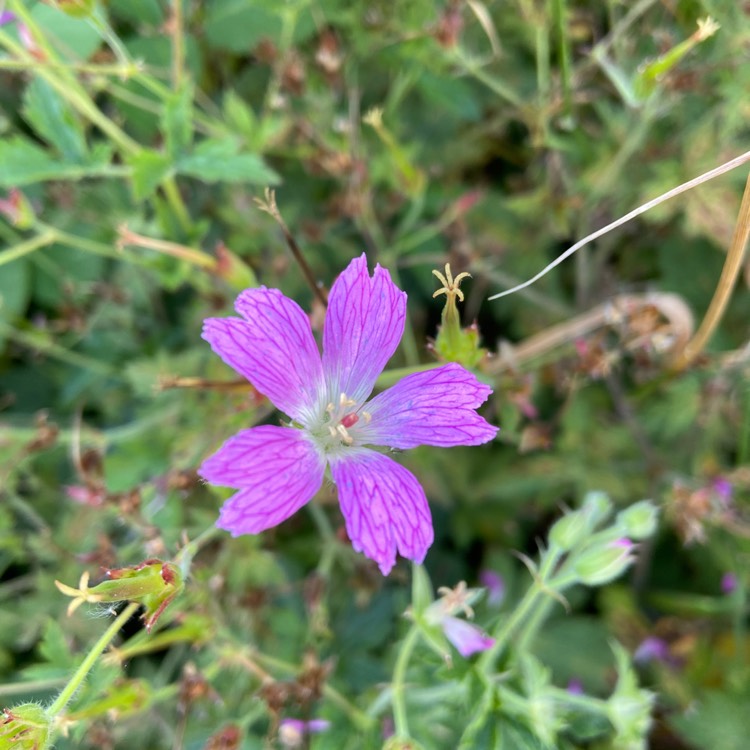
(279, 469)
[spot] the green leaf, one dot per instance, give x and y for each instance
(138, 11)
(177, 121)
(54, 647)
(219, 161)
(22, 162)
(239, 116)
(149, 170)
(54, 120)
(717, 721)
(73, 38)
(15, 287)
(237, 26)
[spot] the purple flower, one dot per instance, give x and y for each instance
(293, 731)
(279, 469)
(6, 17)
(651, 648)
(465, 636)
(728, 583)
(495, 586)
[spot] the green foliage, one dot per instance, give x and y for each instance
(490, 135)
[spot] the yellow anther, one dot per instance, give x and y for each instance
(346, 438)
(450, 285)
(345, 401)
(366, 417)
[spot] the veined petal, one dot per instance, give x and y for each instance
(467, 638)
(276, 469)
(384, 506)
(273, 347)
(363, 326)
(436, 407)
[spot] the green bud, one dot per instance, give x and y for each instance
(629, 707)
(603, 562)
(570, 530)
(575, 527)
(76, 8)
(454, 343)
(153, 583)
(639, 521)
(25, 727)
(597, 506)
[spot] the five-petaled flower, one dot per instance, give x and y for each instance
(276, 470)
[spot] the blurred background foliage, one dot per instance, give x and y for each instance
(136, 138)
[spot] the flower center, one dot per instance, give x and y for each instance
(339, 419)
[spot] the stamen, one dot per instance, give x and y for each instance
(345, 436)
(366, 416)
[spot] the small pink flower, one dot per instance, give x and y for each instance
(728, 583)
(466, 637)
(292, 731)
(651, 649)
(495, 586)
(277, 470)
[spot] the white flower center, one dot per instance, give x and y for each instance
(338, 426)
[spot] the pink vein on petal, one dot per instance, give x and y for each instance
(384, 506)
(436, 407)
(276, 469)
(363, 327)
(273, 347)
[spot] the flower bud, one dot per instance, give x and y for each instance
(75, 8)
(153, 583)
(454, 343)
(639, 520)
(602, 563)
(575, 527)
(25, 727)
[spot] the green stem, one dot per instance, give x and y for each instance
(558, 21)
(470, 67)
(29, 246)
(67, 86)
(401, 723)
(87, 664)
(175, 201)
(178, 45)
(539, 589)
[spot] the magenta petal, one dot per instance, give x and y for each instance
(276, 469)
(384, 506)
(467, 638)
(273, 347)
(363, 327)
(436, 407)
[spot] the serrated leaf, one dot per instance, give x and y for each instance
(54, 120)
(177, 121)
(219, 161)
(54, 647)
(22, 162)
(149, 170)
